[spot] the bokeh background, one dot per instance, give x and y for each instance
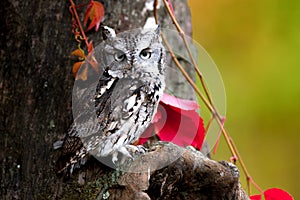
(256, 46)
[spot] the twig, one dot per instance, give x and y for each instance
(218, 138)
(208, 103)
(182, 34)
(196, 89)
(73, 7)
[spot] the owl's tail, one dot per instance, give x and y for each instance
(73, 156)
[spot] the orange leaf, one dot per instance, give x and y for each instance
(76, 67)
(79, 53)
(92, 60)
(82, 74)
(94, 65)
(94, 13)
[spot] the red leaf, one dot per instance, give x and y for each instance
(277, 194)
(146, 135)
(177, 121)
(179, 103)
(255, 197)
(94, 13)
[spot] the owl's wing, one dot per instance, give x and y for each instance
(91, 103)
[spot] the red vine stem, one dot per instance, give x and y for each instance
(189, 79)
(208, 102)
(73, 7)
(182, 34)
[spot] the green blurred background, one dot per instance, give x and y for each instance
(256, 46)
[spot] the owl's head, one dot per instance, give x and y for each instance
(134, 53)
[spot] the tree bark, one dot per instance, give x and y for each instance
(35, 97)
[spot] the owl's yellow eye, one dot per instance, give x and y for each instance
(146, 53)
(119, 56)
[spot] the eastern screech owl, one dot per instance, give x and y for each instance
(117, 111)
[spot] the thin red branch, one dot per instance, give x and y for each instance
(219, 135)
(182, 34)
(194, 86)
(208, 103)
(73, 7)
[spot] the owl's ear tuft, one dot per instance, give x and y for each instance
(153, 30)
(107, 32)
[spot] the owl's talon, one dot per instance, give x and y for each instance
(128, 151)
(142, 149)
(115, 157)
(139, 149)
